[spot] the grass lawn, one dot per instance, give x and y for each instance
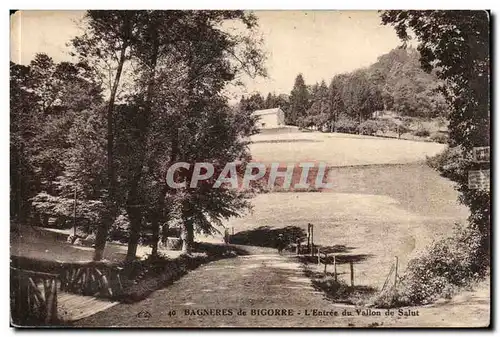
(336, 149)
(43, 243)
(38, 243)
(377, 212)
(385, 201)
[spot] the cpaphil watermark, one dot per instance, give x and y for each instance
(302, 175)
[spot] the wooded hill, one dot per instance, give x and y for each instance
(396, 82)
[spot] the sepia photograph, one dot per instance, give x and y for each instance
(250, 169)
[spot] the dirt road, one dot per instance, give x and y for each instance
(260, 282)
(273, 292)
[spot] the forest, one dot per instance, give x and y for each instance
(91, 140)
(396, 83)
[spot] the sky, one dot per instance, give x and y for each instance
(318, 44)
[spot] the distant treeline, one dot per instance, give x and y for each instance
(396, 82)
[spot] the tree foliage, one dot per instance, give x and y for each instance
(147, 91)
(47, 98)
(299, 103)
(455, 45)
(396, 82)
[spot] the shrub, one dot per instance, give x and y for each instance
(370, 127)
(339, 291)
(400, 127)
(119, 231)
(454, 163)
(346, 125)
(449, 264)
(390, 299)
(421, 132)
(439, 137)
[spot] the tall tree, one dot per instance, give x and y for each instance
(405, 87)
(456, 45)
(299, 102)
(360, 96)
(108, 37)
(23, 129)
(336, 104)
(319, 112)
(46, 98)
(212, 62)
(184, 61)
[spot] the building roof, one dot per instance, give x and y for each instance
(266, 111)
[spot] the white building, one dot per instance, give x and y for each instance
(270, 118)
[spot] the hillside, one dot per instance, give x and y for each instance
(385, 201)
(291, 145)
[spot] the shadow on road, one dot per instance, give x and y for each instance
(339, 259)
(338, 290)
(217, 249)
(265, 236)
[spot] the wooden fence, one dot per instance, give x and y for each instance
(391, 280)
(33, 296)
(34, 293)
(91, 279)
(326, 259)
(95, 278)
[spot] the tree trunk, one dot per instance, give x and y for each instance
(359, 124)
(107, 221)
(136, 210)
(156, 235)
(160, 214)
(187, 236)
(135, 216)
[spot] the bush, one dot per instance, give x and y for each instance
(454, 163)
(390, 299)
(421, 132)
(439, 137)
(400, 127)
(119, 231)
(346, 125)
(341, 292)
(449, 264)
(370, 127)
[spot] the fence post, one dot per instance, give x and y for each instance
(312, 239)
(326, 260)
(396, 273)
(335, 268)
(319, 257)
(297, 248)
(352, 274)
(309, 237)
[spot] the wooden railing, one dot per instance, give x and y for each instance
(33, 296)
(91, 279)
(328, 258)
(34, 286)
(100, 279)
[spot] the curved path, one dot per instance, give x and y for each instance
(212, 295)
(262, 281)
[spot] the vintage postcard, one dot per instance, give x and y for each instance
(236, 168)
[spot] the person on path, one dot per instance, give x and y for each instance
(281, 244)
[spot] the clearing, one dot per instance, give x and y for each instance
(337, 149)
(385, 200)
